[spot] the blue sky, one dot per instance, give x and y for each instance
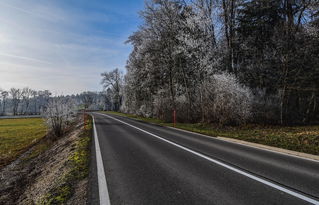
(64, 45)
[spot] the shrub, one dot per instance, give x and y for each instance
(225, 100)
(59, 114)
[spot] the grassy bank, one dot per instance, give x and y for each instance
(78, 163)
(296, 138)
(17, 135)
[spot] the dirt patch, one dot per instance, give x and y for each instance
(27, 181)
(80, 196)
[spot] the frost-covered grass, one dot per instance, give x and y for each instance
(296, 138)
(17, 135)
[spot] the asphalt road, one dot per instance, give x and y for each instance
(149, 164)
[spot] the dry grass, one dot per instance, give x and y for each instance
(77, 172)
(297, 138)
(17, 135)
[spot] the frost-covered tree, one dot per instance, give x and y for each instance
(26, 94)
(1, 100)
(197, 51)
(114, 80)
(226, 101)
(87, 99)
(43, 99)
(267, 48)
(59, 113)
(16, 98)
(34, 99)
(154, 62)
(173, 52)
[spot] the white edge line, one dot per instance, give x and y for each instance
(237, 143)
(103, 191)
(246, 145)
(263, 181)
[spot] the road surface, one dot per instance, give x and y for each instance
(140, 163)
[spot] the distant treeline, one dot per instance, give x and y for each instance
(225, 61)
(27, 101)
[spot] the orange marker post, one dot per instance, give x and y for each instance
(174, 118)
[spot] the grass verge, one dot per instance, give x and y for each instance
(18, 135)
(37, 150)
(79, 169)
(297, 138)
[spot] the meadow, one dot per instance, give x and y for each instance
(17, 135)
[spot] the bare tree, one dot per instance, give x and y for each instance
(26, 95)
(229, 9)
(16, 97)
(4, 95)
(87, 99)
(114, 81)
(43, 99)
(34, 96)
(59, 115)
(1, 99)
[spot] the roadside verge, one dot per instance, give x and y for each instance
(56, 174)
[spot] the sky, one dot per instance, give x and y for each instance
(64, 45)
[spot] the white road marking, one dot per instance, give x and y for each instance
(237, 143)
(103, 191)
(263, 181)
(246, 145)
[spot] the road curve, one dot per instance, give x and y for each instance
(150, 164)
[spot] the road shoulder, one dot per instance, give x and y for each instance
(273, 149)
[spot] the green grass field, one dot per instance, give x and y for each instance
(296, 138)
(17, 135)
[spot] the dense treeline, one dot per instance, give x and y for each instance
(226, 61)
(27, 101)
(24, 101)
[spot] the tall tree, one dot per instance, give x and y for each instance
(113, 80)
(87, 99)
(26, 94)
(16, 97)
(229, 15)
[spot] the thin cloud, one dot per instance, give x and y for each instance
(25, 58)
(17, 8)
(58, 46)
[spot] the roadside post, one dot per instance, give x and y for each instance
(84, 119)
(174, 118)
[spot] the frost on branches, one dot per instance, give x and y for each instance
(59, 114)
(208, 59)
(226, 101)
